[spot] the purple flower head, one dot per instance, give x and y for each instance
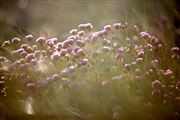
(76, 49)
(145, 35)
(16, 40)
(63, 52)
(127, 66)
(37, 53)
(29, 37)
(80, 52)
(69, 50)
(30, 56)
(40, 40)
(81, 33)
(107, 27)
(55, 56)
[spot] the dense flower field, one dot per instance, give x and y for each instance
(121, 72)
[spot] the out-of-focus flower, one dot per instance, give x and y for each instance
(29, 37)
(107, 27)
(40, 40)
(6, 43)
(106, 49)
(16, 40)
(156, 85)
(117, 26)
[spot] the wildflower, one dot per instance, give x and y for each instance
(37, 53)
(80, 43)
(22, 61)
(118, 55)
(65, 72)
(107, 27)
(29, 37)
(73, 32)
(156, 85)
(139, 60)
(43, 52)
(140, 53)
(40, 40)
(145, 35)
(116, 26)
(20, 50)
(83, 62)
(81, 53)
(55, 56)
(29, 50)
(69, 50)
(6, 43)
(30, 56)
(175, 56)
(168, 73)
(24, 46)
(89, 26)
(81, 33)
(82, 26)
(24, 53)
(175, 49)
(76, 49)
(106, 42)
(106, 49)
(65, 43)
(34, 61)
(59, 45)
(63, 52)
(127, 66)
(30, 85)
(16, 40)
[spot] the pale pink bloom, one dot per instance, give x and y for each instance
(29, 37)
(40, 40)
(81, 33)
(55, 56)
(30, 56)
(107, 27)
(6, 43)
(139, 60)
(16, 40)
(127, 66)
(80, 52)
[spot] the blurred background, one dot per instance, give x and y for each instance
(57, 17)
